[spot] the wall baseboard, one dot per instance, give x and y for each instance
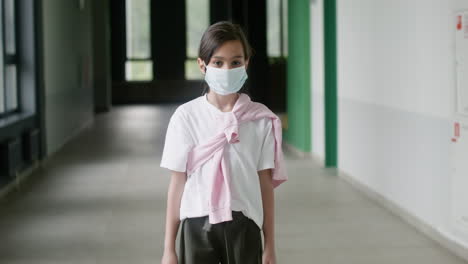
(440, 236)
(295, 152)
(20, 178)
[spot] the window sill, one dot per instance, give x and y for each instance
(14, 118)
(14, 125)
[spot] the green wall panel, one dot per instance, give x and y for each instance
(298, 76)
(331, 114)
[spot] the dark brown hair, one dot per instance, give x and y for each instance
(214, 36)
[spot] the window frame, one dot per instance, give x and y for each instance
(139, 59)
(192, 58)
(10, 59)
(282, 26)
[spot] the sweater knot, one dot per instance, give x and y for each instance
(230, 127)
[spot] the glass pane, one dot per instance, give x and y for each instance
(139, 70)
(10, 26)
(11, 87)
(2, 90)
(273, 28)
(138, 29)
(192, 71)
(197, 14)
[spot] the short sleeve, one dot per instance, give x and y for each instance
(267, 153)
(177, 143)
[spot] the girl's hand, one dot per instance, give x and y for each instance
(268, 256)
(169, 257)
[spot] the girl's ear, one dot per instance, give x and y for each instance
(201, 65)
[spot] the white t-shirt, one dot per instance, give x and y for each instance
(193, 123)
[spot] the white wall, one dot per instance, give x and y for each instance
(317, 79)
(396, 99)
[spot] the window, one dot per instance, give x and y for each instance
(277, 33)
(197, 14)
(139, 66)
(8, 58)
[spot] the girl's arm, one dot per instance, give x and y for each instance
(268, 210)
(174, 195)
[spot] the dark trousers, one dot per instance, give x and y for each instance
(233, 242)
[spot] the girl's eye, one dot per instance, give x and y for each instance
(236, 63)
(218, 63)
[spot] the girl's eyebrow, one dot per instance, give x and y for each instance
(221, 57)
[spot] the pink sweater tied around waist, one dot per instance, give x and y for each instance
(244, 110)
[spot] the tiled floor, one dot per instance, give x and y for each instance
(102, 200)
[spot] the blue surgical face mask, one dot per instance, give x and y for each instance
(225, 81)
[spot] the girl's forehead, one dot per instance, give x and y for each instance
(230, 49)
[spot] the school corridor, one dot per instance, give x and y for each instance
(372, 97)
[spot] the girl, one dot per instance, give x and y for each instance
(224, 153)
